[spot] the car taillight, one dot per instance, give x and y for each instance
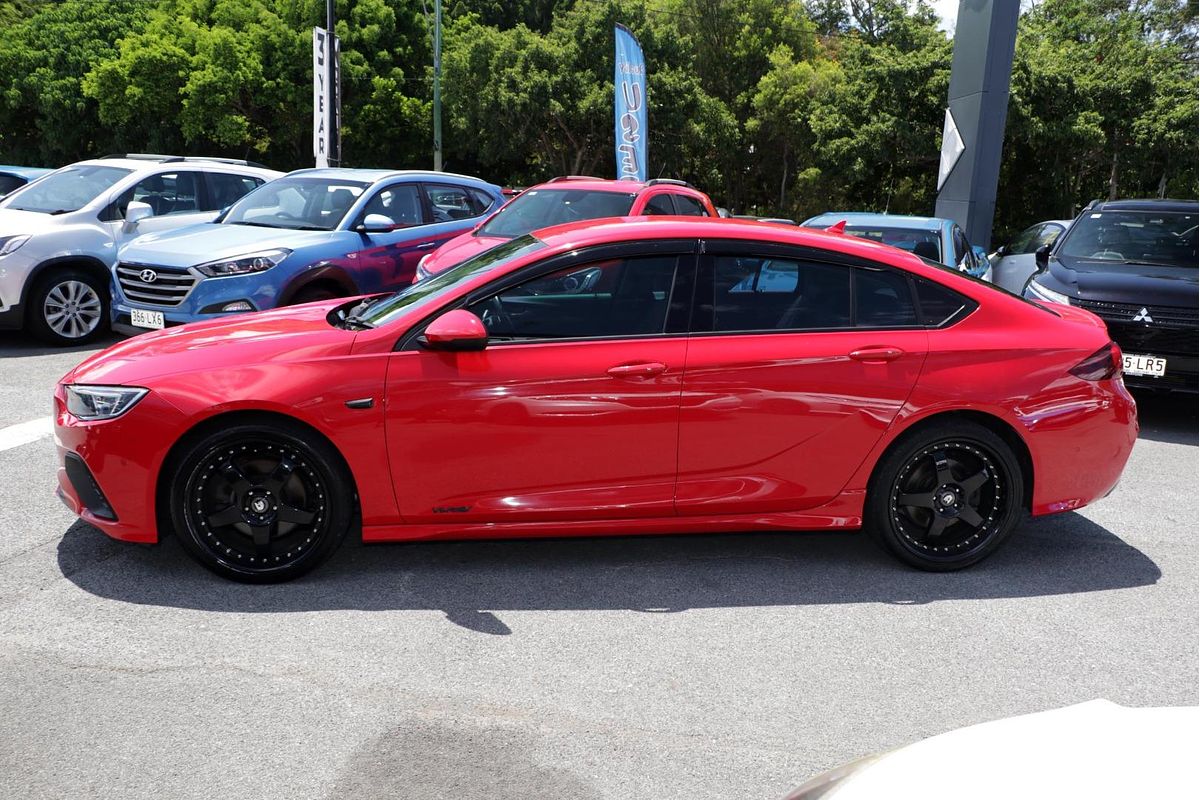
(1101, 365)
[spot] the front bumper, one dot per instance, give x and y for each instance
(203, 300)
(123, 458)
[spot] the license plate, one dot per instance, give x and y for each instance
(141, 318)
(1144, 365)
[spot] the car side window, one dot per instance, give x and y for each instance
(689, 206)
(882, 299)
(399, 202)
(615, 297)
(753, 293)
(166, 193)
(483, 199)
(1048, 235)
(961, 248)
(225, 189)
(1023, 242)
(659, 205)
(939, 304)
(449, 203)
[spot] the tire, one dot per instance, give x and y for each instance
(261, 503)
(313, 294)
(68, 307)
(945, 496)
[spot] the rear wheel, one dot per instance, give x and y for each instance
(68, 307)
(261, 503)
(945, 497)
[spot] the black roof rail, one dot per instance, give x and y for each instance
(574, 178)
(669, 181)
(165, 159)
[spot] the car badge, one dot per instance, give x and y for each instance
(1143, 316)
(148, 276)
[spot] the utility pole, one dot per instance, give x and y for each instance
(437, 85)
(335, 90)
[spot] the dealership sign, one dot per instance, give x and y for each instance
(629, 89)
(326, 96)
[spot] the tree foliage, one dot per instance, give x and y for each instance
(783, 107)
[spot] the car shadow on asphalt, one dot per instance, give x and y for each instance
(470, 582)
(16, 344)
(1172, 418)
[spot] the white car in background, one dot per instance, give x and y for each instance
(59, 235)
(1093, 751)
(1013, 263)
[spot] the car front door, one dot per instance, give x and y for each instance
(175, 197)
(570, 413)
(796, 366)
(387, 259)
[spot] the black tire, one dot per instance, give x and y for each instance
(261, 503)
(68, 307)
(945, 496)
(312, 294)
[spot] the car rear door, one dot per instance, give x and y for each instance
(798, 362)
(571, 412)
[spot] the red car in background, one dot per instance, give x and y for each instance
(617, 377)
(569, 199)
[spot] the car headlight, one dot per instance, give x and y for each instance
(1036, 291)
(244, 265)
(423, 273)
(102, 402)
(9, 244)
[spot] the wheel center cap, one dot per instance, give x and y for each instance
(947, 498)
(259, 505)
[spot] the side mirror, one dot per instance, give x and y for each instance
(1041, 257)
(137, 211)
(458, 330)
(1002, 250)
(376, 223)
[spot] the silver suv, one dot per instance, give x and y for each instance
(59, 236)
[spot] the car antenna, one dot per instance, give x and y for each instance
(838, 227)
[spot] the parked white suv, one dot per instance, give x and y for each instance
(59, 236)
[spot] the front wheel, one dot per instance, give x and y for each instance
(261, 503)
(945, 497)
(68, 307)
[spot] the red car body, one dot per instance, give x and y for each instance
(657, 434)
(644, 195)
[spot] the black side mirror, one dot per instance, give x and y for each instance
(1002, 250)
(1041, 257)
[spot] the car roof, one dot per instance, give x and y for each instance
(1145, 205)
(588, 183)
(586, 233)
(24, 172)
(376, 175)
(141, 164)
(857, 218)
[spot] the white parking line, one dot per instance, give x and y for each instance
(25, 432)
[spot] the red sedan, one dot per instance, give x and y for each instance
(606, 378)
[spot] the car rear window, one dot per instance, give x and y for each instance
(540, 208)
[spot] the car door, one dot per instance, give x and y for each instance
(388, 259)
(175, 197)
(797, 364)
(1013, 271)
(571, 412)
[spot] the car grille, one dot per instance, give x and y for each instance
(169, 287)
(1173, 330)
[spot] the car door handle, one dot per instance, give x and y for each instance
(646, 369)
(426, 245)
(870, 354)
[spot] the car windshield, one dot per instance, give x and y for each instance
(300, 203)
(541, 208)
(924, 243)
(68, 189)
(1140, 237)
(432, 289)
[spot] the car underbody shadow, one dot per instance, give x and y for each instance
(474, 583)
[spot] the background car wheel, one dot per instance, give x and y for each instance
(945, 497)
(311, 294)
(261, 503)
(68, 307)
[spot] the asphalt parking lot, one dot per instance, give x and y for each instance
(732, 666)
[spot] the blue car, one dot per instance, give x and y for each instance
(311, 235)
(932, 238)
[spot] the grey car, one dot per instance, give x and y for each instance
(59, 235)
(1013, 263)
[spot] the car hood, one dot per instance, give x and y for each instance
(210, 241)
(1152, 284)
(459, 249)
(294, 333)
(13, 222)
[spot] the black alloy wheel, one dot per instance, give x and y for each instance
(945, 497)
(261, 505)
